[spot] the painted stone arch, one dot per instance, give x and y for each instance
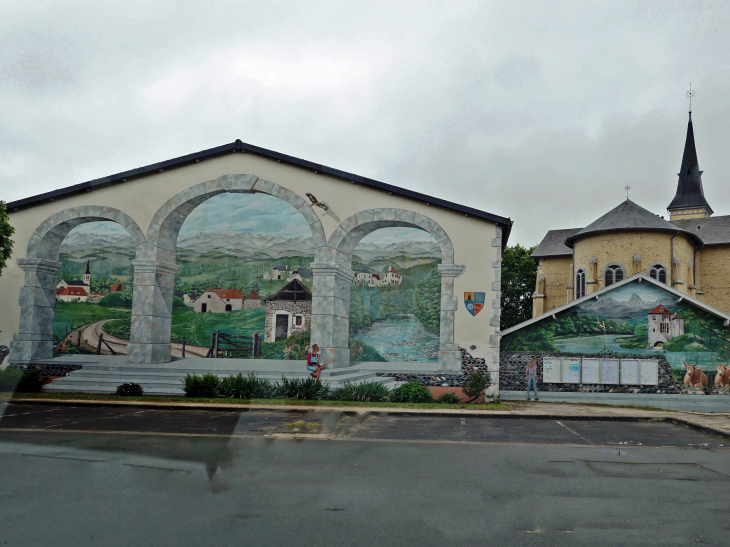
(155, 266)
(333, 276)
(38, 295)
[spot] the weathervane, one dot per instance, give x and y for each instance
(691, 93)
(627, 188)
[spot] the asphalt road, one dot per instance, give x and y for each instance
(131, 476)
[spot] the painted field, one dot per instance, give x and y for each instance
(196, 327)
(70, 315)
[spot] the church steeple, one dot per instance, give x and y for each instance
(689, 202)
(87, 275)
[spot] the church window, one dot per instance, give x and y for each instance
(659, 273)
(613, 274)
(580, 283)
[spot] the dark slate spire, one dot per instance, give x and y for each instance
(689, 189)
(87, 272)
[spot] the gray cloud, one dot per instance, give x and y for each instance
(535, 110)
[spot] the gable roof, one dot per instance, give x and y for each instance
(629, 216)
(640, 277)
(73, 282)
(227, 293)
(293, 291)
(553, 244)
(711, 230)
(72, 291)
(242, 147)
(253, 295)
(659, 309)
(117, 287)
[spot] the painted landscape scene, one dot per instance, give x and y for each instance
(637, 318)
(238, 255)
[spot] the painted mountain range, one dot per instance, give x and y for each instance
(252, 247)
(609, 308)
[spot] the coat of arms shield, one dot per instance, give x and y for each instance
(474, 302)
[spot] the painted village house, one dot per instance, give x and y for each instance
(151, 204)
(219, 301)
(690, 252)
(663, 325)
(392, 277)
(374, 281)
(253, 300)
(288, 312)
(74, 290)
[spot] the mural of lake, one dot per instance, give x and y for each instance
(401, 337)
(596, 344)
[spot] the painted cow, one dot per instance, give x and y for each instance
(694, 376)
(722, 378)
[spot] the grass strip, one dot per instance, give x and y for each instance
(164, 399)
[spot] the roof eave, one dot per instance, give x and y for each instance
(239, 146)
(572, 239)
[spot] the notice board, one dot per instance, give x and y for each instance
(649, 372)
(571, 370)
(551, 370)
(591, 371)
(629, 372)
(609, 371)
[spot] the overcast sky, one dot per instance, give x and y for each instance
(540, 111)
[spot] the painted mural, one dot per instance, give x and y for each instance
(637, 318)
(243, 268)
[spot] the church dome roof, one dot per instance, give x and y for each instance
(629, 217)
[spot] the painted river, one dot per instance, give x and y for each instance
(401, 337)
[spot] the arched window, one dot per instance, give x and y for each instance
(612, 274)
(658, 272)
(580, 284)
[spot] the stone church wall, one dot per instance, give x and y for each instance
(714, 278)
(557, 276)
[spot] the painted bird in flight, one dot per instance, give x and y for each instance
(316, 202)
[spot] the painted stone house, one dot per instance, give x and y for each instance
(219, 301)
(663, 326)
(288, 312)
(253, 300)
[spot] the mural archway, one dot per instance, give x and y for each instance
(41, 264)
(333, 276)
(155, 265)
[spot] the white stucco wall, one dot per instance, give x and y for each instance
(473, 239)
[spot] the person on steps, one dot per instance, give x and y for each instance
(531, 375)
(314, 364)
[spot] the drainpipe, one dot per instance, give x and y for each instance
(671, 264)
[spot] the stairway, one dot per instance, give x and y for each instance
(166, 378)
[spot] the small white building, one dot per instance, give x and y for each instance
(392, 277)
(363, 276)
(663, 326)
(375, 281)
(219, 301)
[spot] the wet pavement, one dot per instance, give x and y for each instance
(80, 475)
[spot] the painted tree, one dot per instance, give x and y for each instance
(427, 301)
(6, 230)
(518, 284)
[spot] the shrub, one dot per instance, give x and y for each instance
(448, 399)
(303, 389)
(114, 300)
(205, 386)
(31, 381)
(130, 389)
(366, 392)
(178, 302)
(9, 379)
(475, 384)
(411, 392)
(246, 387)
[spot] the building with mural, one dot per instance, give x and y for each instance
(690, 252)
(204, 230)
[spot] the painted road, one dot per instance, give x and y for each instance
(134, 476)
(91, 333)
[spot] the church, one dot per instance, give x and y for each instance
(689, 253)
